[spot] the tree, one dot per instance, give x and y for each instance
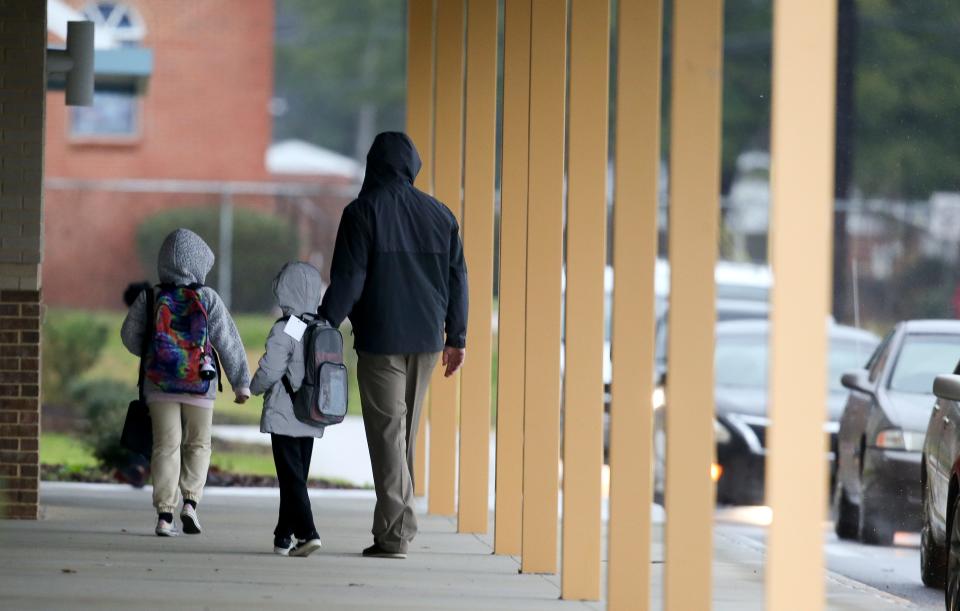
(907, 84)
(340, 71)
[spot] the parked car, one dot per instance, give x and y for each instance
(741, 360)
(883, 428)
(742, 293)
(939, 479)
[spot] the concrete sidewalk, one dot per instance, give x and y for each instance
(95, 548)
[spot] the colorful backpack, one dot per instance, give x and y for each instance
(181, 358)
(323, 396)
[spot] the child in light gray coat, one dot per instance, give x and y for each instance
(297, 289)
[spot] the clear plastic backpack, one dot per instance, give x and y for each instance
(323, 397)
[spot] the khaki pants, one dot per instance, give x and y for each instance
(392, 388)
(181, 453)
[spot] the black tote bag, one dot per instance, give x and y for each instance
(137, 435)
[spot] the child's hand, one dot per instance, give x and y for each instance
(242, 394)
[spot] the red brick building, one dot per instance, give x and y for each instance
(204, 116)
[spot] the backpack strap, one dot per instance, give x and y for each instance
(145, 344)
(287, 386)
(219, 367)
(285, 380)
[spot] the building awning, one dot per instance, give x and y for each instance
(117, 69)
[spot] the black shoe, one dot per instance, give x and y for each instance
(282, 545)
(375, 551)
(305, 547)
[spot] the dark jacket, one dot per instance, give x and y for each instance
(398, 269)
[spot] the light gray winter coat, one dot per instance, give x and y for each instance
(186, 259)
(297, 288)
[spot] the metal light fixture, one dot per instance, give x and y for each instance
(76, 62)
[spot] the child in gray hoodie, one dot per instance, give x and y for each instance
(181, 421)
(297, 289)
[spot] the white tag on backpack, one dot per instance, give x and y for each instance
(295, 328)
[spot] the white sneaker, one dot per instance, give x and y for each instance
(165, 529)
(304, 548)
(282, 547)
(191, 523)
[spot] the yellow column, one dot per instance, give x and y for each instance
(541, 433)
(586, 259)
(420, 130)
(694, 220)
(478, 187)
(637, 171)
(513, 276)
(448, 160)
(804, 73)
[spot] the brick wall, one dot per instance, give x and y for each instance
(22, 94)
(88, 264)
(205, 114)
(19, 402)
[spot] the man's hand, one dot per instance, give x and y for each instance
(241, 395)
(452, 359)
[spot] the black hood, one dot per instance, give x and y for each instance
(392, 157)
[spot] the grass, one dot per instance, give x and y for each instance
(116, 362)
(244, 462)
(76, 456)
(60, 449)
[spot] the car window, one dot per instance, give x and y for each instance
(846, 355)
(743, 291)
(741, 360)
(724, 314)
(921, 359)
(879, 358)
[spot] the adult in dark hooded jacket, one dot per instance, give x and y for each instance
(398, 273)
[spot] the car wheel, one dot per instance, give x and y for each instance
(846, 516)
(875, 528)
(933, 562)
(953, 562)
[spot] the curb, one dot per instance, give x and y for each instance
(831, 576)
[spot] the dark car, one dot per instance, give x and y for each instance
(939, 478)
(883, 428)
(741, 395)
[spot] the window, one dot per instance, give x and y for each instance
(741, 360)
(113, 115)
(921, 359)
(123, 22)
(844, 356)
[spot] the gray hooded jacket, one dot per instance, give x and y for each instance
(186, 259)
(297, 288)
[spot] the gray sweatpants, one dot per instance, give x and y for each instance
(392, 388)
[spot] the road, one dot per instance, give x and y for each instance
(893, 570)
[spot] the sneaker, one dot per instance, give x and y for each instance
(191, 523)
(282, 546)
(305, 547)
(375, 551)
(165, 529)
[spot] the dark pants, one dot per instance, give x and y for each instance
(392, 388)
(291, 455)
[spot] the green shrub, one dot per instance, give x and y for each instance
(71, 346)
(104, 404)
(262, 243)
